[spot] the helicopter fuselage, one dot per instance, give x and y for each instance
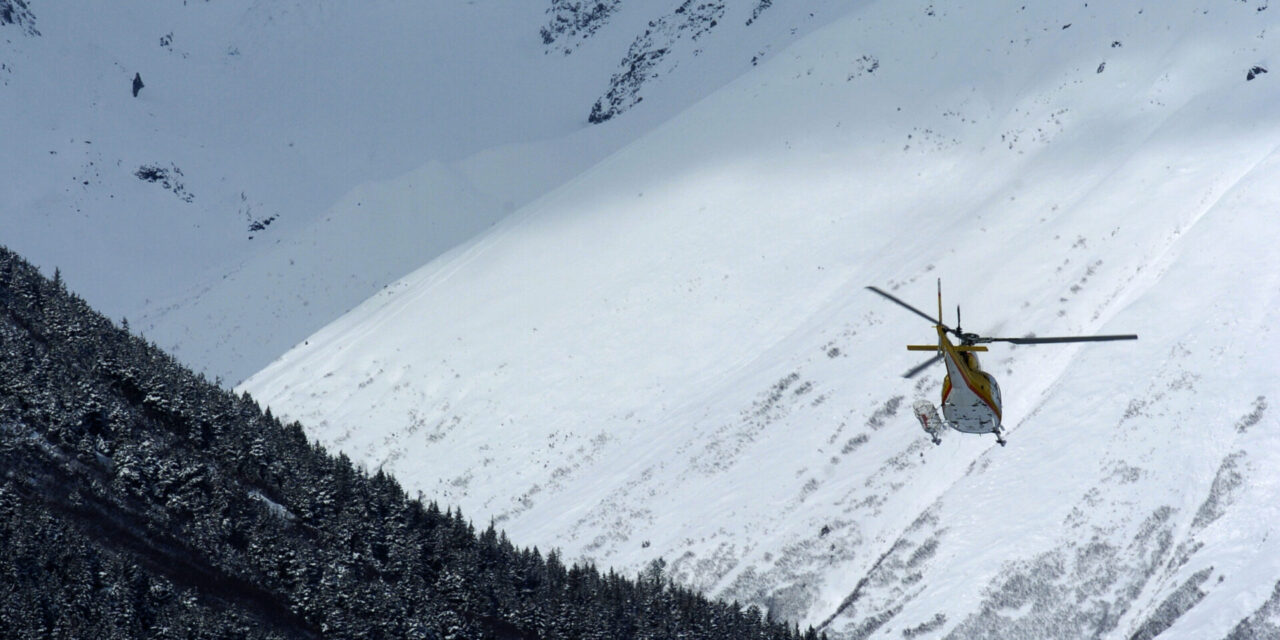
(970, 396)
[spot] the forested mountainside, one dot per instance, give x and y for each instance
(138, 500)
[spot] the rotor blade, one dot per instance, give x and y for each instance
(1056, 340)
(922, 366)
(908, 307)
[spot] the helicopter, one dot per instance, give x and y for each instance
(974, 405)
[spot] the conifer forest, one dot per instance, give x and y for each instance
(138, 500)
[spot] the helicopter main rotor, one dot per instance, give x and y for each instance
(932, 320)
(922, 366)
(970, 339)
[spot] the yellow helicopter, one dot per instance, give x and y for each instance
(973, 406)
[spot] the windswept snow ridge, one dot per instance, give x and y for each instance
(284, 161)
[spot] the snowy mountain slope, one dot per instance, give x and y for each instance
(228, 210)
(672, 356)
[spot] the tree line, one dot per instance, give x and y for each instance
(139, 500)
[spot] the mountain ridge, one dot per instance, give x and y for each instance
(272, 123)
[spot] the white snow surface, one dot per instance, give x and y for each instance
(672, 355)
(368, 137)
